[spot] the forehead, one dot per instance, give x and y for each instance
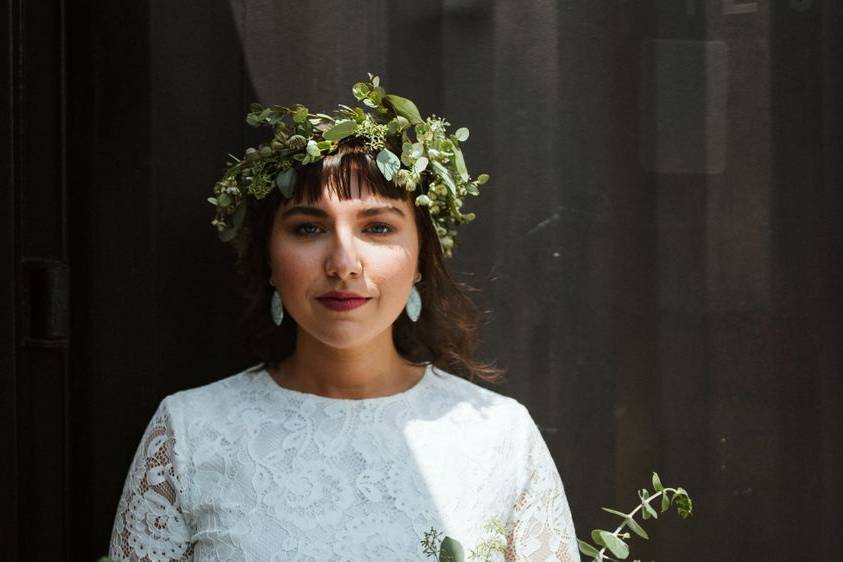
(359, 195)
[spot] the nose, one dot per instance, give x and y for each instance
(343, 259)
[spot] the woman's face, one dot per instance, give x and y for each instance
(357, 245)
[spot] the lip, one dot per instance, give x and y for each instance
(342, 304)
(340, 295)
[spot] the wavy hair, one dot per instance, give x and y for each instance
(446, 331)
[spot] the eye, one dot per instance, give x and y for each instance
(303, 229)
(298, 230)
(389, 228)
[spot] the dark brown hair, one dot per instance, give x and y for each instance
(446, 331)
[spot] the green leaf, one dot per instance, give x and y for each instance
(636, 528)
(300, 114)
(459, 161)
(313, 148)
(622, 515)
(230, 232)
(360, 90)
(648, 510)
(482, 178)
(377, 94)
(684, 505)
(285, 182)
(657, 484)
(665, 502)
(420, 165)
(615, 545)
(445, 176)
(341, 130)
(388, 163)
(450, 550)
(586, 548)
(404, 108)
(239, 215)
(597, 536)
(461, 134)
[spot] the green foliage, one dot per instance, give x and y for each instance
(613, 541)
(431, 163)
(450, 549)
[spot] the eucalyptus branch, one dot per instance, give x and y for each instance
(613, 541)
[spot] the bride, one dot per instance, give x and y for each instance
(360, 428)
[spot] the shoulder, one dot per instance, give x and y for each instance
(461, 393)
(217, 398)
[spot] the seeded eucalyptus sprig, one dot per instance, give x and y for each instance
(416, 154)
(450, 549)
(613, 540)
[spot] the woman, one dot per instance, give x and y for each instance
(352, 438)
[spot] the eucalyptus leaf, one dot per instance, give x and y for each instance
(636, 528)
(341, 130)
(404, 108)
(227, 234)
(586, 548)
(313, 148)
(450, 550)
(445, 175)
(300, 115)
(597, 537)
(360, 90)
(285, 181)
(615, 545)
(648, 509)
(665, 502)
(239, 215)
(616, 512)
(377, 94)
(459, 161)
(420, 165)
(388, 163)
(230, 232)
(657, 483)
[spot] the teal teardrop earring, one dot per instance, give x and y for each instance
(276, 307)
(413, 306)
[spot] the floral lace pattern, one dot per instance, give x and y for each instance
(244, 469)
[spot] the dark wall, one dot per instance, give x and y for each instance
(659, 247)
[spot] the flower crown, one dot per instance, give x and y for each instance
(431, 163)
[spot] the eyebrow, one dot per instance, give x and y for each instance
(317, 212)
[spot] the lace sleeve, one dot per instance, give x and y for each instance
(150, 525)
(543, 529)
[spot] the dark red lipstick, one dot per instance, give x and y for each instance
(342, 300)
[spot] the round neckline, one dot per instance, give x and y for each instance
(310, 396)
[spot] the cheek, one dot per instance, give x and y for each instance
(291, 264)
(393, 271)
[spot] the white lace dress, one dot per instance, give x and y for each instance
(244, 469)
